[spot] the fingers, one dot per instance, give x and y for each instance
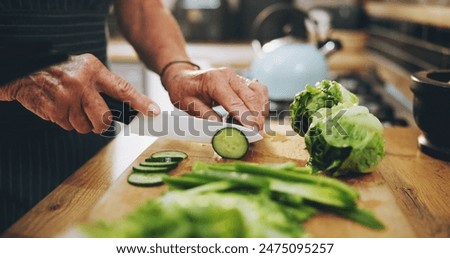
(234, 105)
(245, 100)
(254, 95)
(95, 111)
(55, 114)
(196, 107)
(116, 87)
(264, 97)
(217, 85)
(79, 121)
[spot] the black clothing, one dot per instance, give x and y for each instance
(36, 155)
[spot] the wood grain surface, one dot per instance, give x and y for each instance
(376, 193)
(408, 191)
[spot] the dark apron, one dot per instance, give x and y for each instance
(35, 155)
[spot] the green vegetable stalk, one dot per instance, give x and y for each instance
(238, 199)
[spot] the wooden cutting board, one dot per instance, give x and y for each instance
(376, 194)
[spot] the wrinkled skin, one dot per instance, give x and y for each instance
(197, 91)
(69, 94)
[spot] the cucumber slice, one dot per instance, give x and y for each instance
(156, 164)
(167, 156)
(230, 143)
(146, 179)
(143, 169)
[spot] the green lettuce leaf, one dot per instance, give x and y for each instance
(345, 139)
(325, 94)
(178, 214)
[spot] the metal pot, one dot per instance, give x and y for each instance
(431, 108)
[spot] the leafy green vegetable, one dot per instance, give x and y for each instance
(238, 199)
(352, 143)
(325, 94)
(177, 214)
(340, 136)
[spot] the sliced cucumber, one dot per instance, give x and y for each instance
(156, 164)
(230, 143)
(151, 171)
(167, 156)
(146, 179)
(143, 169)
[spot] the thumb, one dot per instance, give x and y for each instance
(116, 87)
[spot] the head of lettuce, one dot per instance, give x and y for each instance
(307, 102)
(345, 139)
(341, 137)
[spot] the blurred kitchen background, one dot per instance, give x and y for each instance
(382, 43)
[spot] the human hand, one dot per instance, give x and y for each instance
(69, 94)
(196, 91)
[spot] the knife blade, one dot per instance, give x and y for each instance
(181, 126)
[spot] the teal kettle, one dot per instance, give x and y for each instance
(289, 62)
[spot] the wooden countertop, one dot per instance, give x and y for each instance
(418, 184)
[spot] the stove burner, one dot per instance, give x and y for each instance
(367, 89)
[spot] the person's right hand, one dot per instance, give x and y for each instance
(69, 94)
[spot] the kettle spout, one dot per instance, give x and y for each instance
(257, 48)
(329, 46)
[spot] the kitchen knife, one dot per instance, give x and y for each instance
(181, 126)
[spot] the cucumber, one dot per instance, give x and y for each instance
(230, 143)
(167, 156)
(151, 170)
(146, 179)
(155, 164)
(143, 169)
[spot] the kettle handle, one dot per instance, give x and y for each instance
(291, 20)
(329, 46)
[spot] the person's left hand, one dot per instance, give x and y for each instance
(196, 92)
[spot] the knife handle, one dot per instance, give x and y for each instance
(231, 120)
(121, 111)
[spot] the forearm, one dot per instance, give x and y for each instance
(152, 30)
(155, 35)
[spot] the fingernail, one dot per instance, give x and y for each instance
(214, 118)
(153, 109)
